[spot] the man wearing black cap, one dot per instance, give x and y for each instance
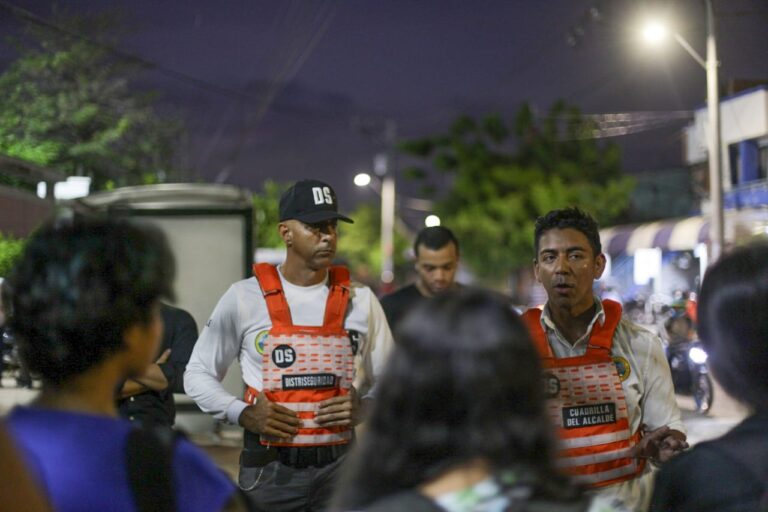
(310, 345)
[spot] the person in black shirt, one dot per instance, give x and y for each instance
(148, 399)
(437, 260)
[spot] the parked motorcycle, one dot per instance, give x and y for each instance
(690, 373)
(686, 356)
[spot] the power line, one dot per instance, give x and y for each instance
(177, 75)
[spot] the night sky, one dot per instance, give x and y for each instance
(303, 88)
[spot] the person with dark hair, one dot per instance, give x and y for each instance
(437, 259)
(147, 399)
(84, 303)
(607, 379)
(729, 473)
(459, 422)
(310, 345)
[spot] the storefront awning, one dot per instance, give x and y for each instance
(684, 234)
(671, 235)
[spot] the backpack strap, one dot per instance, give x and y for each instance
(149, 457)
(272, 288)
(338, 296)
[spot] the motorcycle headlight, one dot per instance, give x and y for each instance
(697, 355)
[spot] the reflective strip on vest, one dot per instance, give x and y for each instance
(300, 406)
(594, 459)
(609, 477)
(588, 406)
(580, 442)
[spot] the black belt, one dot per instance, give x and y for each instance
(258, 455)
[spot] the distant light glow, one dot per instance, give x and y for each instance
(655, 32)
(387, 276)
(362, 179)
(431, 221)
(697, 355)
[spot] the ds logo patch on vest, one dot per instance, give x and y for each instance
(354, 341)
(622, 367)
(283, 356)
(551, 385)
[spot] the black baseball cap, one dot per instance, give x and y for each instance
(310, 201)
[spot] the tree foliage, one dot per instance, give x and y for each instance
(266, 213)
(10, 250)
(360, 244)
(502, 178)
(70, 102)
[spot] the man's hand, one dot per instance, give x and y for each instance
(661, 444)
(342, 410)
(269, 418)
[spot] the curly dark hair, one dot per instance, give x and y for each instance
(733, 324)
(565, 218)
(80, 283)
(464, 382)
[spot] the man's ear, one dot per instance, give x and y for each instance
(536, 270)
(600, 262)
(285, 233)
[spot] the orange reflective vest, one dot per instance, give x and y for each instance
(304, 365)
(586, 402)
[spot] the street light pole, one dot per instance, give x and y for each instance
(717, 230)
(655, 32)
(382, 168)
(387, 228)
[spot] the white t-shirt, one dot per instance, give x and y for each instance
(648, 391)
(240, 322)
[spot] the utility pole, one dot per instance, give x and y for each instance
(383, 166)
(717, 230)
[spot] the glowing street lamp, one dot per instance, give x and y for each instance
(655, 32)
(432, 221)
(362, 179)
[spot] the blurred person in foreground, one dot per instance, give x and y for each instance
(17, 485)
(437, 261)
(729, 473)
(459, 422)
(607, 379)
(84, 301)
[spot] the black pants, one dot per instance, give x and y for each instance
(282, 480)
(280, 488)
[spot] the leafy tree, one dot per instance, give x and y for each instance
(10, 250)
(69, 103)
(266, 212)
(502, 179)
(360, 244)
